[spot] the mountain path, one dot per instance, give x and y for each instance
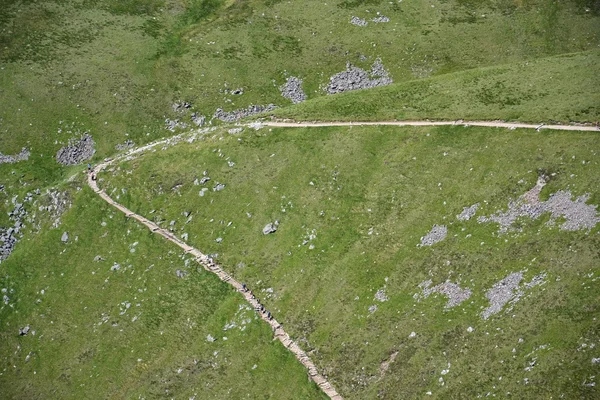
(489, 124)
(208, 264)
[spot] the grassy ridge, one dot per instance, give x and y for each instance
(555, 89)
(352, 205)
(88, 343)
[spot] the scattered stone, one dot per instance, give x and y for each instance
(218, 187)
(358, 21)
(210, 338)
(22, 156)
(468, 212)
(198, 119)
(172, 124)
(235, 131)
(452, 291)
(508, 290)
(181, 106)
(412, 335)
(76, 151)
(181, 274)
(115, 267)
(10, 236)
(437, 234)
(24, 331)
(501, 293)
(269, 228)
(381, 19)
(470, 329)
(98, 259)
(292, 90)
(219, 240)
(128, 144)
(65, 237)
(577, 214)
(204, 180)
(381, 295)
(201, 193)
(355, 78)
(236, 115)
(373, 308)
(595, 361)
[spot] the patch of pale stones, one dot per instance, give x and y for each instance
(508, 290)
(577, 214)
(363, 22)
(435, 235)
(452, 291)
(22, 156)
(468, 213)
(355, 78)
(77, 151)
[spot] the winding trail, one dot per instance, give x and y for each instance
(209, 264)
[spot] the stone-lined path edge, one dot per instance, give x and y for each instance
(208, 264)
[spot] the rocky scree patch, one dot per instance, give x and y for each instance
(292, 90)
(22, 156)
(576, 213)
(355, 78)
(76, 151)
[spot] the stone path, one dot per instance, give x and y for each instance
(211, 266)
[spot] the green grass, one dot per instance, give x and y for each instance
(159, 346)
(555, 89)
(398, 182)
(113, 69)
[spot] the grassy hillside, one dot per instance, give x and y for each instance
(561, 88)
(136, 330)
(114, 69)
(353, 205)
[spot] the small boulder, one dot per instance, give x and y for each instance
(65, 237)
(269, 228)
(24, 331)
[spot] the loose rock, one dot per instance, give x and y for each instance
(437, 234)
(77, 151)
(355, 78)
(236, 115)
(292, 90)
(22, 156)
(269, 228)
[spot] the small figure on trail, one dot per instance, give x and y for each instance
(269, 315)
(244, 288)
(89, 167)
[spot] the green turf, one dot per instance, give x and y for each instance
(113, 68)
(555, 89)
(158, 347)
(395, 183)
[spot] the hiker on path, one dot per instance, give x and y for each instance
(89, 167)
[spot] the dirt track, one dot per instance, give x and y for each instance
(489, 124)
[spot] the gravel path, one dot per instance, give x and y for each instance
(209, 264)
(490, 124)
